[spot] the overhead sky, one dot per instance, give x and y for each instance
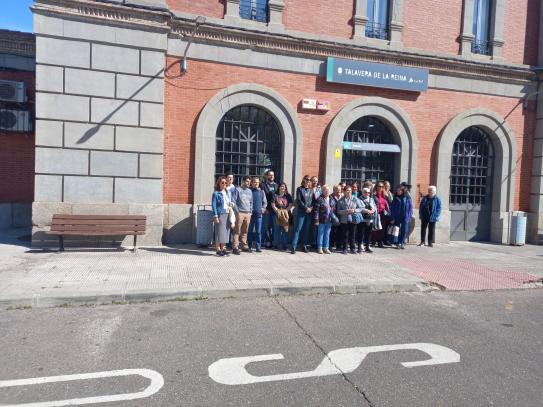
(15, 15)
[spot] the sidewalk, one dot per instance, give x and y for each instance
(42, 278)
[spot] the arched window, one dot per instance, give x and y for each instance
(248, 143)
(256, 10)
(368, 151)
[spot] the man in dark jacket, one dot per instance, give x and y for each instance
(270, 188)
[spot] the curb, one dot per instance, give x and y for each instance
(38, 301)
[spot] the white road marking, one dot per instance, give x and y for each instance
(157, 381)
(232, 371)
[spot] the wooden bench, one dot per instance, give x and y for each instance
(97, 225)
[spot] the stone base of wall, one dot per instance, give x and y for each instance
(15, 215)
(534, 232)
(42, 213)
(178, 224)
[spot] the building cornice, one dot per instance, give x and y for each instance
(112, 13)
(286, 44)
(17, 43)
(217, 32)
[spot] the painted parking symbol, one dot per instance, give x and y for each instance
(157, 381)
(232, 371)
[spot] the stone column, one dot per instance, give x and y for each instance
(396, 24)
(497, 31)
(466, 37)
(276, 15)
(232, 12)
(360, 19)
(535, 217)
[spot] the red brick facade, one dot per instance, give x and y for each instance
(430, 111)
(17, 151)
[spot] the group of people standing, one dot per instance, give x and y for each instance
(344, 218)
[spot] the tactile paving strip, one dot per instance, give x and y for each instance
(462, 274)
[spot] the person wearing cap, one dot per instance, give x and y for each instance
(429, 213)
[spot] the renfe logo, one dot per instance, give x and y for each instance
(232, 371)
(340, 70)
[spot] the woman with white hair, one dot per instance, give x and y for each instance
(429, 213)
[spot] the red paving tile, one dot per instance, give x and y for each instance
(461, 274)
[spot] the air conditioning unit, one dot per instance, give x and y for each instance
(11, 91)
(15, 120)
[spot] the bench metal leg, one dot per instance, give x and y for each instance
(135, 241)
(61, 242)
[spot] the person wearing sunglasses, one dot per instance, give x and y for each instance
(221, 205)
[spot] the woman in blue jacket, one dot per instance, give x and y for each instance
(401, 213)
(221, 205)
(429, 213)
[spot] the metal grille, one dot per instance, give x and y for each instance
(481, 47)
(377, 30)
(248, 143)
(471, 171)
(256, 10)
(359, 165)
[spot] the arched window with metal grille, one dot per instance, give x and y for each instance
(256, 10)
(368, 151)
(248, 142)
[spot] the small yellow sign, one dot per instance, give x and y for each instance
(338, 153)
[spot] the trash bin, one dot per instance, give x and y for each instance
(518, 228)
(204, 225)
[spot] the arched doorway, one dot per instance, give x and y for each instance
(501, 179)
(470, 198)
(368, 151)
(248, 142)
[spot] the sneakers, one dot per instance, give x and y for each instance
(359, 250)
(220, 253)
(380, 245)
(320, 251)
(326, 251)
(368, 250)
(353, 251)
(402, 246)
(430, 244)
(258, 250)
(237, 252)
(306, 250)
(422, 244)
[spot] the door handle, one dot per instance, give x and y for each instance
(232, 371)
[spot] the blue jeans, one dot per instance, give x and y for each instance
(323, 235)
(268, 227)
(404, 228)
(303, 226)
(255, 231)
(281, 236)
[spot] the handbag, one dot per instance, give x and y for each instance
(393, 232)
(357, 218)
(231, 218)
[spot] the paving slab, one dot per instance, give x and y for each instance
(93, 276)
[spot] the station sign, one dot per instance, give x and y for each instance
(354, 72)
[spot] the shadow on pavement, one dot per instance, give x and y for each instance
(173, 250)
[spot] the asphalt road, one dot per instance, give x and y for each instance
(498, 336)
